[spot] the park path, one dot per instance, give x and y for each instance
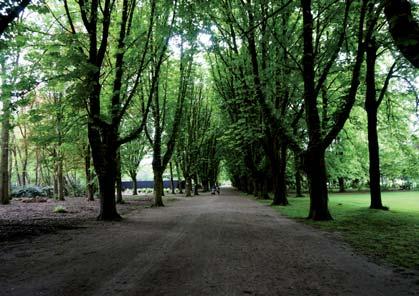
(207, 245)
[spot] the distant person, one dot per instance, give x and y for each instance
(214, 189)
(217, 188)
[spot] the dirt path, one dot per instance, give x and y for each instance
(208, 245)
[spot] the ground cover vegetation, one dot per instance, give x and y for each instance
(391, 236)
(283, 97)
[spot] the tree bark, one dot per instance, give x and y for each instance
(12, 13)
(195, 180)
(279, 180)
(133, 175)
(315, 161)
(88, 173)
(104, 147)
(172, 183)
(316, 172)
(205, 185)
(4, 164)
(371, 106)
(341, 181)
(60, 178)
(118, 180)
(403, 28)
(19, 181)
(188, 186)
(158, 188)
(298, 178)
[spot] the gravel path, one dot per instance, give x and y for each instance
(207, 245)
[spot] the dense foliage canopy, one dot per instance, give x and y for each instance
(276, 96)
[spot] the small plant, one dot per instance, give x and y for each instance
(60, 209)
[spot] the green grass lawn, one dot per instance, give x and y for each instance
(390, 235)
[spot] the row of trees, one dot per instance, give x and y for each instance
(109, 81)
(103, 82)
(289, 75)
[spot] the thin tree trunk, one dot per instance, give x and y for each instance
(298, 179)
(179, 179)
(172, 182)
(4, 164)
(133, 175)
(16, 166)
(37, 166)
(60, 178)
(341, 181)
(371, 106)
(279, 180)
(195, 180)
(89, 178)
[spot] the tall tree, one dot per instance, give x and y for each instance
(100, 21)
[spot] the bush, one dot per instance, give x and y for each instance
(60, 209)
(30, 191)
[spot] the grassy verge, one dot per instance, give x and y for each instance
(390, 235)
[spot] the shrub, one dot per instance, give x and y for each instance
(60, 209)
(31, 191)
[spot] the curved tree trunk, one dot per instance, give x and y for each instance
(403, 28)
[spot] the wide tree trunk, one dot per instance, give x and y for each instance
(316, 173)
(108, 210)
(158, 188)
(205, 185)
(265, 189)
(315, 154)
(188, 187)
(133, 176)
(4, 163)
(104, 148)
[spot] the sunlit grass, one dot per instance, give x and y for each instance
(391, 235)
